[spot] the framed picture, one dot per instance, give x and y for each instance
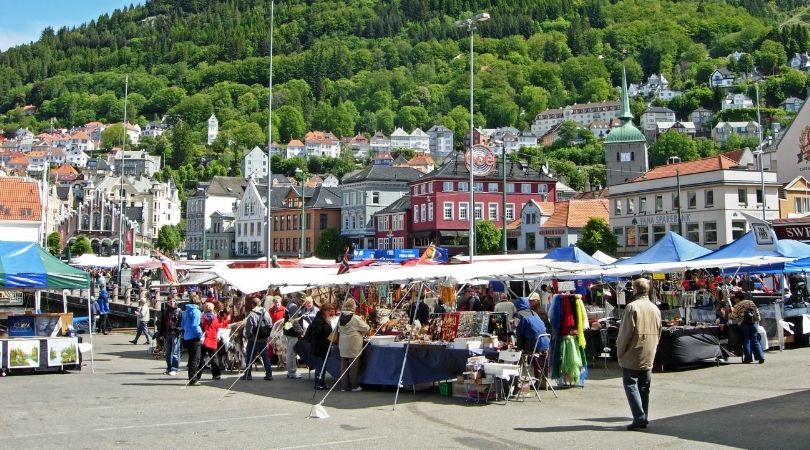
(63, 351)
(23, 353)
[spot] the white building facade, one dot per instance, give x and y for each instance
(254, 163)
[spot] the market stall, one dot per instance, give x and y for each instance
(38, 341)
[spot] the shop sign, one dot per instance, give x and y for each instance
(551, 232)
(795, 231)
(481, 160)
(662, 218)
(566, 286)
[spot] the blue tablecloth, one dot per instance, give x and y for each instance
(381, 365)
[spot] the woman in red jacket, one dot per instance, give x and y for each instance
(210, 325)
(277, 310)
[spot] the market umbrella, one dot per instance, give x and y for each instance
(25, 265)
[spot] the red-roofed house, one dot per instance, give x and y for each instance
(20, 209)
(322, 143)
(713, 193)
(17, 162)
(564, 227)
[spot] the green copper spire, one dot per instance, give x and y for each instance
(626, 115)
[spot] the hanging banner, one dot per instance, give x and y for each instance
(130, 241)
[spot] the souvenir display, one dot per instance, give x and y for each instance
(569, 365)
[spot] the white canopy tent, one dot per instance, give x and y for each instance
(599, 255)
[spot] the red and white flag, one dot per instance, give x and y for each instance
(169, 269)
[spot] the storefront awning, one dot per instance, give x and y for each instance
(454, 233)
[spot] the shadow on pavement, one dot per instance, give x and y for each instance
(777, 422)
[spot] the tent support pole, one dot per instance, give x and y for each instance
(414, 298)
(90, 332)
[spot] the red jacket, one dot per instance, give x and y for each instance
(277, 314)
(210, 325)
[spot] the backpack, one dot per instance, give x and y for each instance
(265, 328)
(748, 317)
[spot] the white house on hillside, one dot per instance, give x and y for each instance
(254, 163)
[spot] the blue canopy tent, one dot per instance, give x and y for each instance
(572, 254)
(671, 248)
(746, 247)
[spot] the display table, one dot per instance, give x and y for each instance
(683, 346)
(40, 354)
(382, 365)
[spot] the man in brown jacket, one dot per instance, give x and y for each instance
(638, 337)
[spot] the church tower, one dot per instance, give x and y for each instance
(625, 146)
(213, 129)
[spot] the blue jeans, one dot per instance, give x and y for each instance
(252, 348)
(317, 364)
(752, 347)
(143, 328)
(637, 388)
(171, 347)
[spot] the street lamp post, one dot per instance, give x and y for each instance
(269, 234)
(303, 218)
(470, 25)
(761, 156)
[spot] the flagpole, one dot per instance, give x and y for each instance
(121, 189)
(269, 234)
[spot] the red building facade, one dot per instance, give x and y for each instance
(440, 210)
(391, 225)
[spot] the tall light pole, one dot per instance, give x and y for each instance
(121, 188)
(471, 24)
(269, 234)
(761, 156)
(303, 218)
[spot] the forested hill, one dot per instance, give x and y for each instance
(366, 65)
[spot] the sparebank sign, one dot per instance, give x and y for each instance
(662, 219)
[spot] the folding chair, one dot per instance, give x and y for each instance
(542, 367)
(508, 357)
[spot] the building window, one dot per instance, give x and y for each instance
(354, 222)
(619, 232)
(659, 231)
(676, 202)
(643, 236)
(423, 211)
(526, 188)
(448, 211)
(462, 211)
(510, 188)
(742, 196)
(479, 211)
(642, 205)
(375, 198)
(542, 188)
(309, 243)
(493, 211)
(691, 200)
(492, 187)
(709, 199)
(659, 203)
(693, 232)
(324, 219)
(430, 211)
(463, 186)
(709, 232)
(415, 213)
(447, 186)
(737, 228)
(631, 236)
(479, 187)
(510, 211)
(345, 222)
(759, 196)
(617, 207)
(631, 206)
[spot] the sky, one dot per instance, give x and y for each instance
(22, 21)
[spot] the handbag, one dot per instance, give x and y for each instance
(334, 336)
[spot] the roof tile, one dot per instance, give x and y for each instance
(19, 199)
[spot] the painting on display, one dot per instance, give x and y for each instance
(23, 353)
(63, 351)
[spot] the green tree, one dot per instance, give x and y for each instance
(181, 144)
(114, 136)
(330, 244)
(673, 143)
(291, 124)
(487, 237)
(55, 243)
(597, 235)
(81, 245)
(168, 238)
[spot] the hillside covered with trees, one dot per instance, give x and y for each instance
(366, 65)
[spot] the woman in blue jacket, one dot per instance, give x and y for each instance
(104, 310)
(192, 338)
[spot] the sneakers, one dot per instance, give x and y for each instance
(321, 387)
(133, 342)
(195, 383)
(268, 378)
(357, 389)
(173, 373)
(635, 426)
(246, 377)
(294, 376)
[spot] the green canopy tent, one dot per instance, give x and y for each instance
(25, 266)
